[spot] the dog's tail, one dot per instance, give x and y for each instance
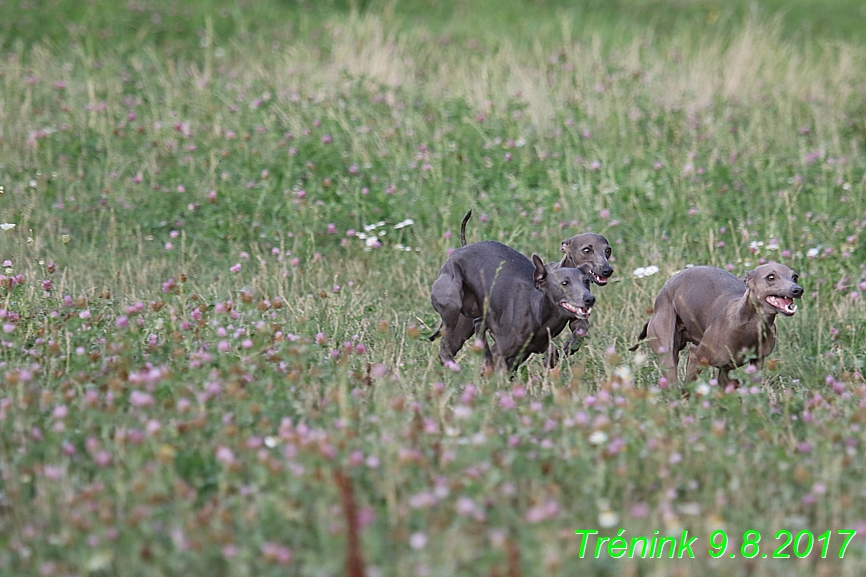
(463, 229)
(640, 337)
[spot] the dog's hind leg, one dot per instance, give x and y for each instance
(447, 298)
(694, 365)
(664, 339)
(462, 332)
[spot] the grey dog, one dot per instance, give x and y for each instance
(489, 287)
(587, 248)
(728, 321)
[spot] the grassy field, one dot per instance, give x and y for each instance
(215, 296)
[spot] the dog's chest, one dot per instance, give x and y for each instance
(540, 340)
(756, 343)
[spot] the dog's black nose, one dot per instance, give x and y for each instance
(607, 271)
(797, 291)
(589, 300)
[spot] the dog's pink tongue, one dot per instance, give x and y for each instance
(780, 302)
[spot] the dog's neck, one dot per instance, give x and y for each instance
(550, 316)
(749, 310)
(546, 315)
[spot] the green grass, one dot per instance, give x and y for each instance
(102, 24)
(219, 164)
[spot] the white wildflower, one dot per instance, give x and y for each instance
(597, 437)
(623, 372)
(418, 540)
(690, 508)
(645, 271)
(462, 412)
(404, 224)
(607, 519)
(374, 226)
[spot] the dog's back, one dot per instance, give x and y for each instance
(698, 294)
(473, 275)
(489, 269)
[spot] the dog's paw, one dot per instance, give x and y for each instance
(573, 344)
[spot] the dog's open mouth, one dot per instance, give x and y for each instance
(600, 280)
(784, 304)
(579, 312)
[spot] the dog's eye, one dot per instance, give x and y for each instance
(771, 277)
(587, 250)
(565, 282)
(607, 253)
(795, 278)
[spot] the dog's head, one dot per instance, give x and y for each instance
(588, 248)
(566, 288)
(775, 287)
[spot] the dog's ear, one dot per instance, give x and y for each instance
(566, 248)
(748, 278)
(564, 245)
(540, 274)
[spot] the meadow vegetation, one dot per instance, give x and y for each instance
(215, 296)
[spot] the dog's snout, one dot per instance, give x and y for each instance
(589, 300)
(797, 291)
(607, 271)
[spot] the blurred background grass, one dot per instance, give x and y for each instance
(180, 25)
